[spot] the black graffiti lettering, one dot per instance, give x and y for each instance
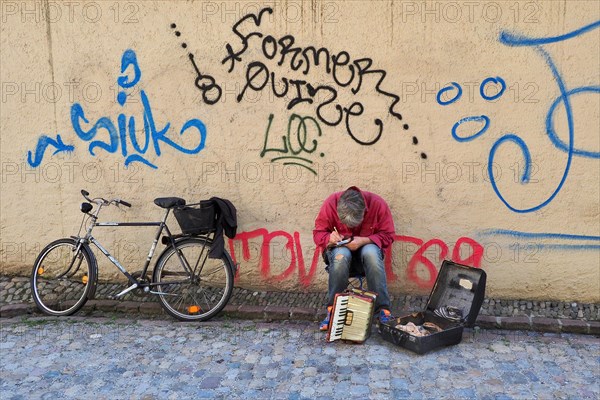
(285, 82)
(269, 40)
(206, 84)
(362, 67)
(231, 56)
(235, 56)
(345, 71)
(208, 99)
(341, 60)
(365, 70)
(313, 92)
(316, 55)
(286, 44)
(211, 91)
(298, 99)
(252, 72)
(357, 109)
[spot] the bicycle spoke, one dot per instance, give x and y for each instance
(207, 291)
(60, 278)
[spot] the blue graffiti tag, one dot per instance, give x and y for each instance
(526, 155)
(521, 143)
(494, 80)
(129, 59)
(453, 85)
(514, 40)
(123, 135)
(43, 143)
(480, 118)
(550, 124)
(565, 241)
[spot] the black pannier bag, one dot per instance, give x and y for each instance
(454, 303)
(196, 219)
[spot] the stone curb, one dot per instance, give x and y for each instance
(279, 313)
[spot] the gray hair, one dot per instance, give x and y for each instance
(351, 208)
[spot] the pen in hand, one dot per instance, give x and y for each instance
(335, 237)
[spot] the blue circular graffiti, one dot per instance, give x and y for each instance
(453, 85)
(476, 118)
(526, 155)
(496, 80)
(525, 178)
(550, 122)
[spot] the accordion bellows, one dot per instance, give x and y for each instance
(351, 316)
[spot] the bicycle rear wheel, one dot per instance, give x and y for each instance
(61, 278)
(197, 290)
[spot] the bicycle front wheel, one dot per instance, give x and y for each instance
(61, 278)
(193, 287)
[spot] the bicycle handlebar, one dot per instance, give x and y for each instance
(126, 204)
(100, 200)
(85, 194)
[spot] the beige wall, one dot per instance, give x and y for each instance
(57, 55)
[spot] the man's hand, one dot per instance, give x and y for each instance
(334, 237)
(358, 242)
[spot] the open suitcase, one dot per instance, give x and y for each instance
(454, 303)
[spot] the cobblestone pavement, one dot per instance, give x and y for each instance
(15, 290)
(104, 356)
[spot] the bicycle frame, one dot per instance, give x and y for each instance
(135, 283)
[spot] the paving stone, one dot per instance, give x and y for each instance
(127, 306)
(517, 323)
(277, 312)
(13, 310)
(574, 326)
(256, 312)
(594, 327)
(545, 324)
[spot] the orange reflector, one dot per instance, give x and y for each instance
(193, 309)
(84, 279)
(40, 270)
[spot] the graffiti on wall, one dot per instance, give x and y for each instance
(548, 240)
(297, 145)
(211, 91)
(480, 124)
(420, 260)
(287, 79)
(119, 135)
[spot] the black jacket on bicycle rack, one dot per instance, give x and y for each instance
(226, 222)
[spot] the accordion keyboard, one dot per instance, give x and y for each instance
(351, 318)
(338, 319)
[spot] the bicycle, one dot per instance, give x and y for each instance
(190, 285)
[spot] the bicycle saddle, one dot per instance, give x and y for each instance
(168, 202)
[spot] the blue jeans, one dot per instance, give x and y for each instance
(371, 257)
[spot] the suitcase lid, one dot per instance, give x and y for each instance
(458, 286)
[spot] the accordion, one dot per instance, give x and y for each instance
(351, 316)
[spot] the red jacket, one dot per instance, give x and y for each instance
(377, 224)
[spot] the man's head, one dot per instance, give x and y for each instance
(351, 208)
